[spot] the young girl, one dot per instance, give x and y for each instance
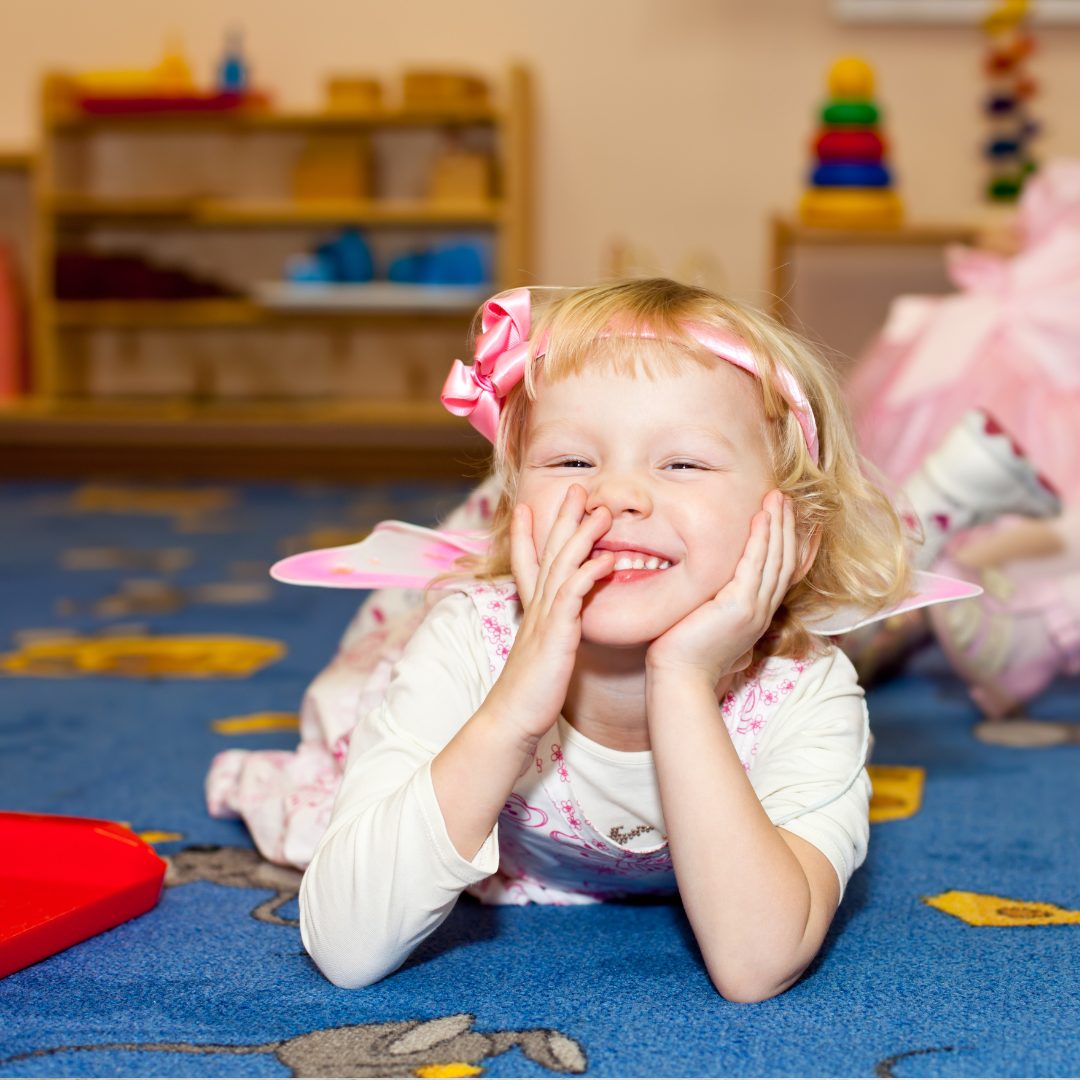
(624, 697)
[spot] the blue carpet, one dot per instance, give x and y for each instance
(198, 987)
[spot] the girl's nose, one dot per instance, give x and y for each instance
(622, 493)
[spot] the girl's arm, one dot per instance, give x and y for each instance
(760, 900)
(412, 824)
(385, 873)
(477, 770)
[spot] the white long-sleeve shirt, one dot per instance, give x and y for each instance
(386, 874)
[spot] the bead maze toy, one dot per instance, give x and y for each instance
(1008, 145)
(852, 184)
(66, 879)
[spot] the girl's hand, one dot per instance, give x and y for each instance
(532, 687)
(718, 638)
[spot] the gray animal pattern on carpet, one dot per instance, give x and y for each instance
(242, 868)
(398, 1048)
(885, 1066)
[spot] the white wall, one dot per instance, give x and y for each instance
(676, 125)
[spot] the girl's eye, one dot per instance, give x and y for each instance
(682, 465)
(575, 463)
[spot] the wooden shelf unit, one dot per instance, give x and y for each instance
(74, 208)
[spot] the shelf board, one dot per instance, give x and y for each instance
(16, 161)
(78, 314)
(160, 439)
(927, 233)
(244, 421)
(219, 213)
(119, 314)
(275, 121)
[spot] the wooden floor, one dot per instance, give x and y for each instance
(349, 440)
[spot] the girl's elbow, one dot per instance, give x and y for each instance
(352, 972)
(750, 985)
(344, 959)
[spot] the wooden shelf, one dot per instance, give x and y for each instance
(103, 314)
(251, 213)
(79, 314)
(346, 440)
(786, 232)
(114, 415)
(383, 350)
(276, 121)
(16, 161)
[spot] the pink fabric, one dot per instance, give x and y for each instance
(1008, 343)
(502, 350)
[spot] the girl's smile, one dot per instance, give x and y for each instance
(631, 564)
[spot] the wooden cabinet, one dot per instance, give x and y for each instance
(835, 285)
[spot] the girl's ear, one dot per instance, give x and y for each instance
(809, 554)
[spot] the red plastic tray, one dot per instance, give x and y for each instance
(65, 879)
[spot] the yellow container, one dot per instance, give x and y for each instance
(351, 95)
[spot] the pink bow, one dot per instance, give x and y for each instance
(478, 392)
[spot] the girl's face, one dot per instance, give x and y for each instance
(683, 466)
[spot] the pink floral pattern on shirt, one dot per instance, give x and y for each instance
(754, 698)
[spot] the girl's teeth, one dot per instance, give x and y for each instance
(641, 562)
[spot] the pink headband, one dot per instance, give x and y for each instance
(502, 349)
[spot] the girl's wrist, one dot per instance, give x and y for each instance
(673, 673)
(501, 726)
(667, 683)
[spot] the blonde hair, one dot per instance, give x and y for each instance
(861, 558)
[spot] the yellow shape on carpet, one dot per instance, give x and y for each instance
(979, 909)
(256, 722)
(898, 791)
(455, 1068)
(182, 656)
(124, 499)
(156, 836)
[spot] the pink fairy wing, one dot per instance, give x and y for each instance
(395, 555)
(929, 589)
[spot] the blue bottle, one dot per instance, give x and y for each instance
(232, 74)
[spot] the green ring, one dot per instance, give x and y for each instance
(849, 112)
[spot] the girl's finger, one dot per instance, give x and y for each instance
(524, 564)
(574, 555)
(774, 560)
(791, 555)
(571, 593)
(575, 552)
(746, 582)
(566, 522)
